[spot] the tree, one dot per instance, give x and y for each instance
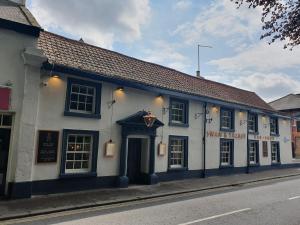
(281, 19)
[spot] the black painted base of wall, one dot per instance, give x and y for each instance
(26, 189)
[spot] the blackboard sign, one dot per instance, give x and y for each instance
(47, 146)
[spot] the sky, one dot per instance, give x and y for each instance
(167, 32)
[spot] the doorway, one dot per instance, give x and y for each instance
(4, 149)
(137, 159)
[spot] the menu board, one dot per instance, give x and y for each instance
(47, 146)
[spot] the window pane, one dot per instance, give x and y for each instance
(177, 148)
(78, 152)
(226, 151)
(82, 98)
(178, 112)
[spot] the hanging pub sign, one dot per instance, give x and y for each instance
(47, 146)
(4, 98)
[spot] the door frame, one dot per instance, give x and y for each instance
(145, 137)
(8, 166)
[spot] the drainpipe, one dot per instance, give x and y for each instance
(204, 140)
(247, 171)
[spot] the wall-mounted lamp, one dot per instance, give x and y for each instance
(197, 115)
(120, 88)
(165, 110)
(55, 76)
(149, 119)
(209, 120)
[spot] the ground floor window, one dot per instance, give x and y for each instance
(79, 151)
(226, 152)
(178, 149)
(275, 152)
(253, 152)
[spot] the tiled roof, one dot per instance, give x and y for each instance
(78, 55)
(288, 102)
(17, 13)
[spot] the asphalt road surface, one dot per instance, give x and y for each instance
(273, 203)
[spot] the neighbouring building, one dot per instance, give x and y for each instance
(290, 105)
(75, 117)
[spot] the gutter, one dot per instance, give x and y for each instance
(204, 140)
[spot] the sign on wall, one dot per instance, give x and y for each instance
(4, 98)
(226, 134)
(47, 146)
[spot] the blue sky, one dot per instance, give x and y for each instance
(167, 32)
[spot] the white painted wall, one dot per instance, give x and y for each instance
(47, 105)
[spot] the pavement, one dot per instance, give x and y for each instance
(39, 205)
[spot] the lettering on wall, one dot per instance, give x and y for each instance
(264, 138)
(226, 134)
(47, 146)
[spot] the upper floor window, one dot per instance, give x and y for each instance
(227, 119)
(252, 123)
(178, 152)
(178, 112)
(274, 126)
(83, 98)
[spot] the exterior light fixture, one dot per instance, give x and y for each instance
(55, 76)
(120, 88)
(149, 119)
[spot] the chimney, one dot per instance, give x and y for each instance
(20, 2)
(198, 74)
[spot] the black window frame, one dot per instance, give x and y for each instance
(185, 154)
(256, 152)
(232, 127)
(231, 164)
(276, 133)
(185, 122)
(94, 153)
(255, 131)
(97, 101)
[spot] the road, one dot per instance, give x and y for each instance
(274, 203)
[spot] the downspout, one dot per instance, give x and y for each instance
(204, 140)
(247, 171)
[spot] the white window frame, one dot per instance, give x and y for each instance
(179, 150)
(253, 145)
(82, 94)
(274, 152)
(226, 151)
(178, 109)
(81, 170)
(226, 119)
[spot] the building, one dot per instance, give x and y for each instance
(290, 105)
(75, 117)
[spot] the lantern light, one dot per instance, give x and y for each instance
(149, 119)
(120, 88)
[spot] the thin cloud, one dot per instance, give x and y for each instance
(98, 22)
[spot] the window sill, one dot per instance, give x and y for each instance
(179, 124)
(227, 130)
(253, 165)
(225, 167)
(76, 114)
(77, 175)
(177, 169)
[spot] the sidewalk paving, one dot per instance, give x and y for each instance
(10, 209)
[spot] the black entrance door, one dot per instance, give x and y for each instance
(4, 147)
(134, 160)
